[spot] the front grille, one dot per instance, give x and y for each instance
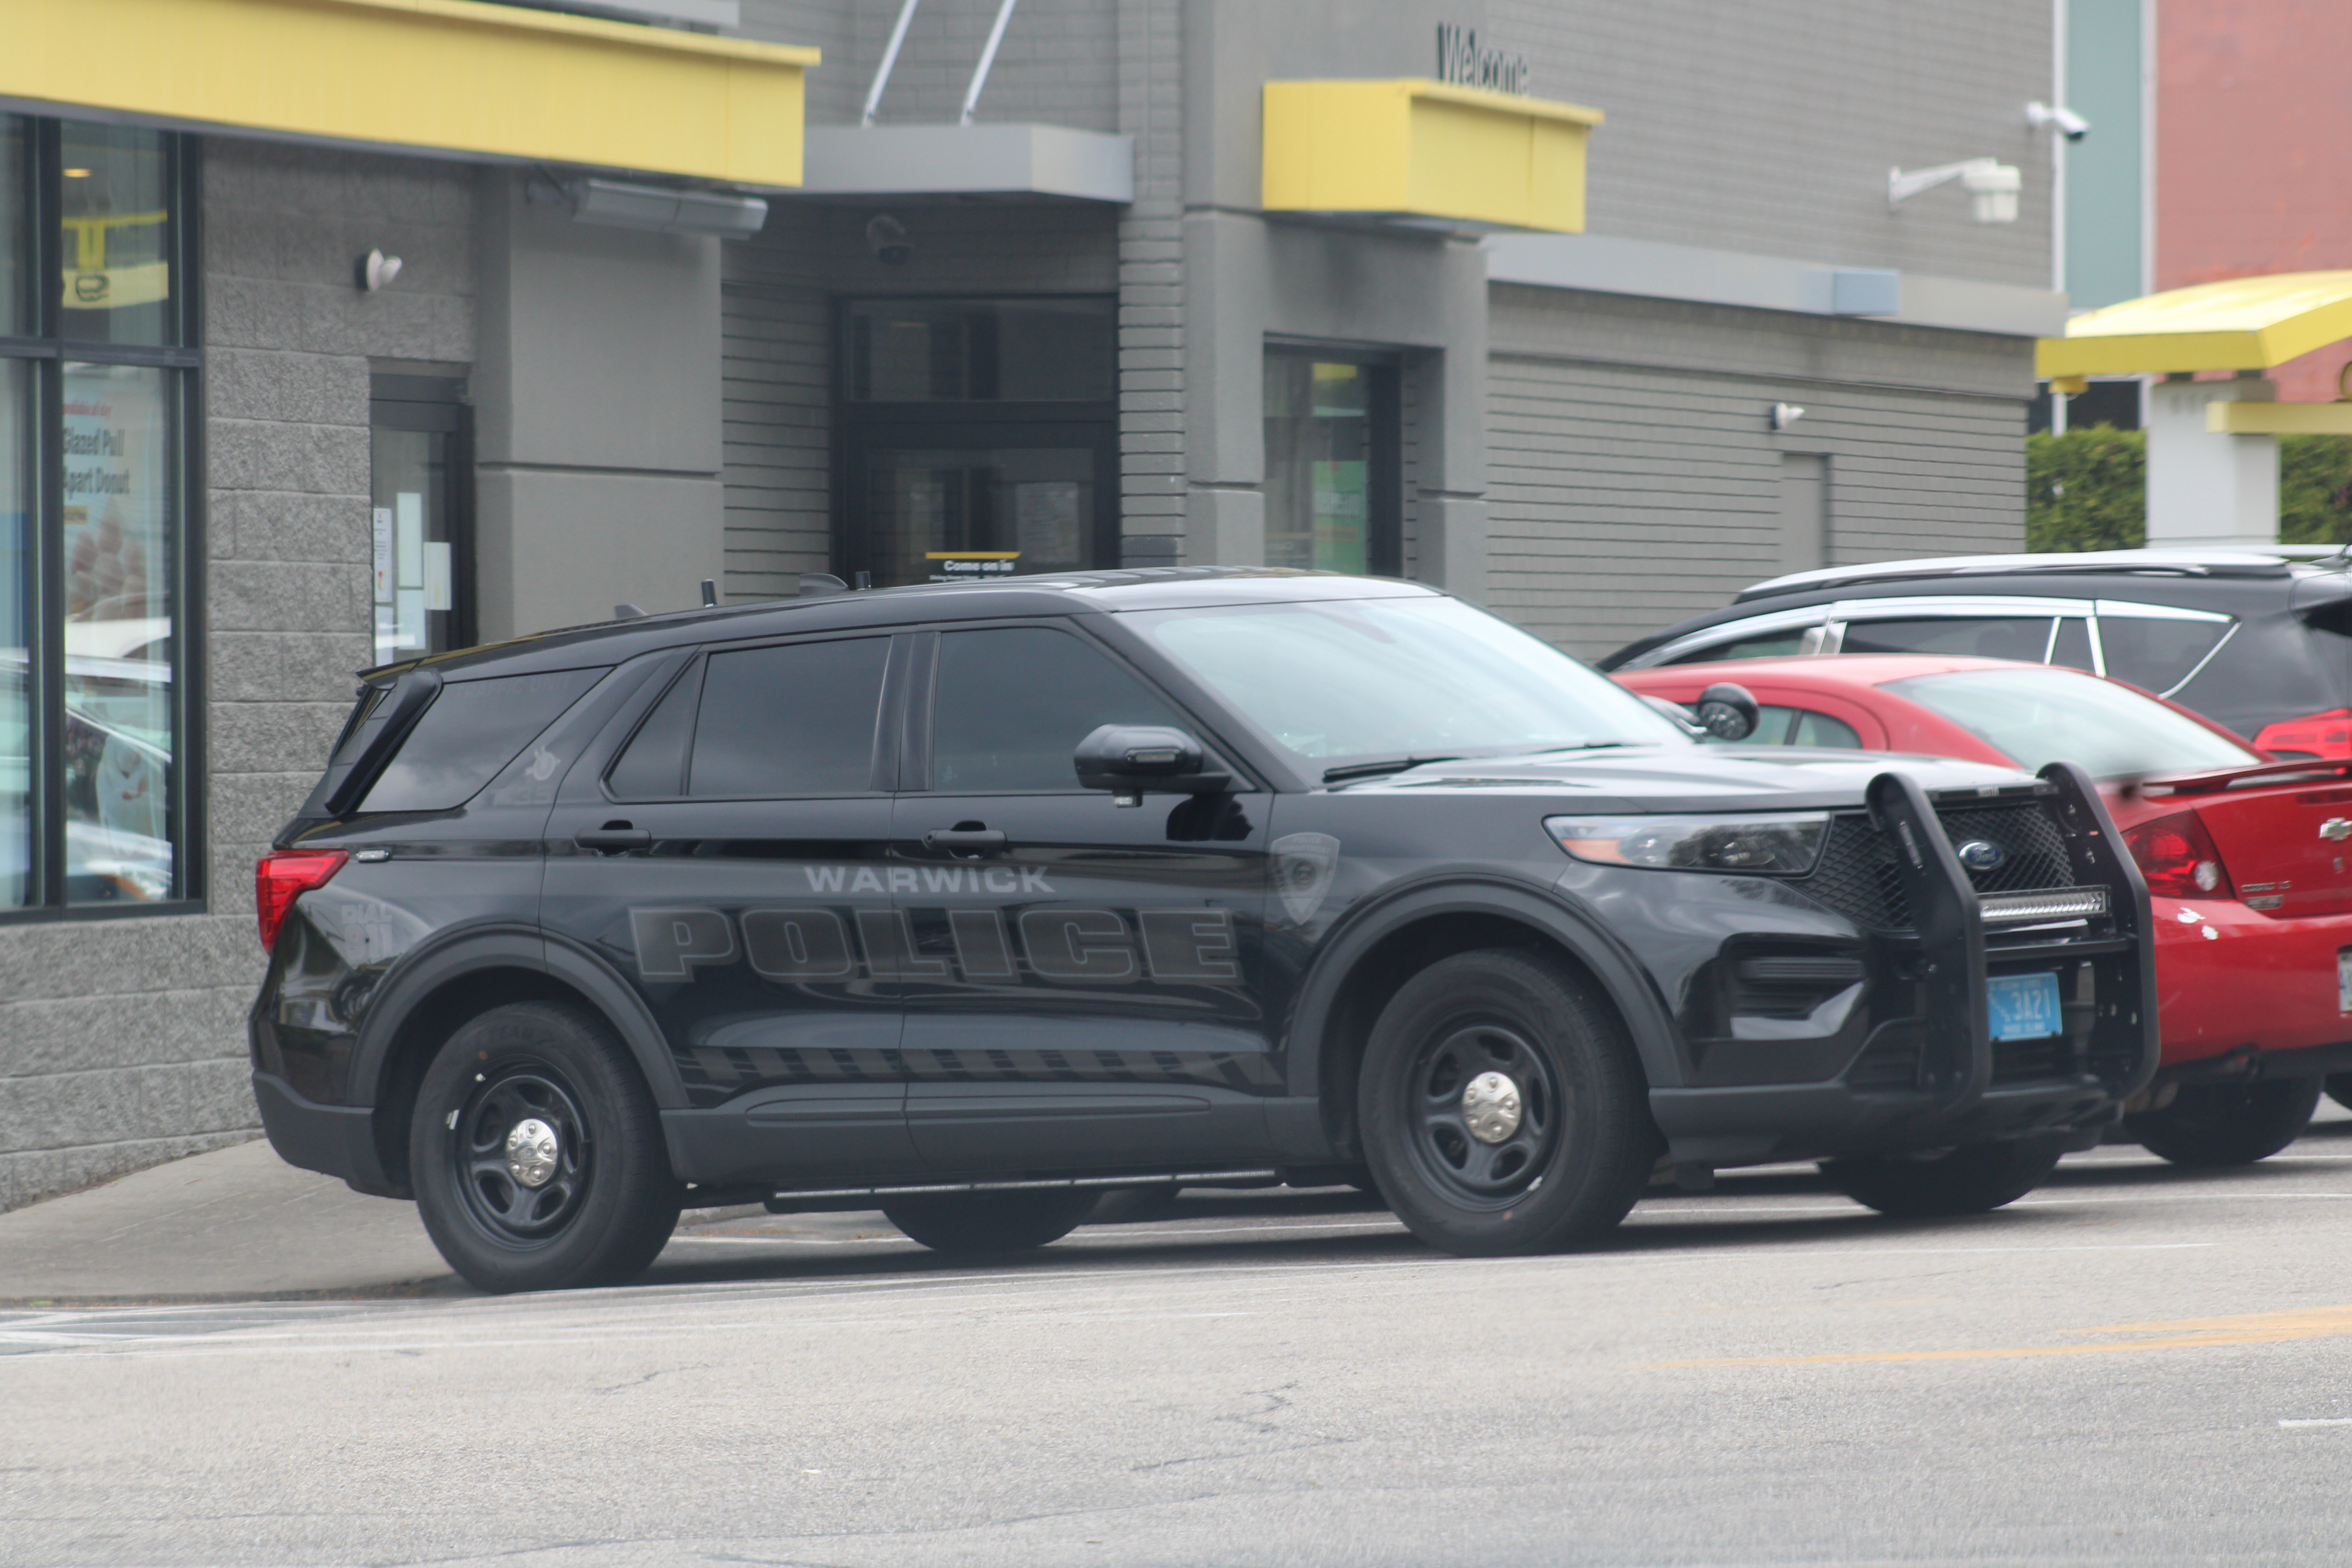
(1857, 875)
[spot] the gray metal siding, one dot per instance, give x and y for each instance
(1625, 496)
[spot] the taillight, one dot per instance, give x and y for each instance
(2177, 858)
(2328, 736)
(282, 876)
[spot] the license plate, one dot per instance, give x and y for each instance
(2343, 979)
(2025, 1007)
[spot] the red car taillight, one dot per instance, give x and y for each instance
(2177, 858)
(2328, 736)
(282, 876)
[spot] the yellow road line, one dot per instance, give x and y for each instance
(2192, 1333)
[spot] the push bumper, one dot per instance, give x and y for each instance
(1958, 1087)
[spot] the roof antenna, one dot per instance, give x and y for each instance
(627, 612)
(813, 584)
(709, 595)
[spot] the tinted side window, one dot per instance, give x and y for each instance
(1764, 645)
(653, 767)
(2157, 655)
(473, 729)
(797, 718)
(1012, 703)
(1988, 636)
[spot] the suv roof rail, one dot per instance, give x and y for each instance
(2268, 561)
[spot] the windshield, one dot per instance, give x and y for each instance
(2038, 715)
(1360, 681)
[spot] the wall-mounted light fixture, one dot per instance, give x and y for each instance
(658, 209)
(375, 271)
(1785, 414)
(1993, 186)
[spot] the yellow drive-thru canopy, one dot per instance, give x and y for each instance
(2242, 323)
(440, 76)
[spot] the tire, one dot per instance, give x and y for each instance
(2228, 1123)
(1565, 1168)
(2339, 1090)
(1971, 1179)
(977, 1224)
(1134, 1205)
(606, 1202)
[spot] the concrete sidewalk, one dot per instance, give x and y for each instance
(240, 1223)
(236, 1222)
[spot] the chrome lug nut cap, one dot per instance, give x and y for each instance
(531, 1150)
(1490, 1104)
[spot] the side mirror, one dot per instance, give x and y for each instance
(1727, 712)
(1130, 759)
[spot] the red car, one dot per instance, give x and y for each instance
(2244, 858)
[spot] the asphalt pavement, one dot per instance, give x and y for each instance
(2136, 1364)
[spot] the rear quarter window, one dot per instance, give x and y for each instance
(473, 729)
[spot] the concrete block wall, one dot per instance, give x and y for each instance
(1635, 475)
(1152, 295)
(122, 1041)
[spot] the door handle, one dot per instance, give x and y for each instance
(613, 835)
(982, 840)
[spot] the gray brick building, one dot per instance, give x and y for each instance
(1072, 333)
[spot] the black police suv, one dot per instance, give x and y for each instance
(2260, 641)
(971, 901)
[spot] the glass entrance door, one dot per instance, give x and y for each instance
(950, 503)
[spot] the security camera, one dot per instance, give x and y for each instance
(2071, 125)
(885, 237)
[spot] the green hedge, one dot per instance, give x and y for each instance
(2087, 489)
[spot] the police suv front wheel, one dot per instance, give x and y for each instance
(1503, 1110)
(537, 1154)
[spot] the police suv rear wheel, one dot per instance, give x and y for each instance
(2228, 1123)
(1503, 1109)
(979, 1223)
(1935, 1184)
(537, 1155)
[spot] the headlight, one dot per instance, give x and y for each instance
(1782, 846)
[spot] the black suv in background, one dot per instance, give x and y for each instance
(970, 902)
(2259, 642)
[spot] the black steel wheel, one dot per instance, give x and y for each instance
(536, 1153)
(1502, 1106)
(2228, 1123)
(980, 1223)
(1938, 1183)
(1486, 1111)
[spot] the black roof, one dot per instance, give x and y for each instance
(1055, 594)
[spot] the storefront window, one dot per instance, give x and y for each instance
(1058, 350)
(980, 438)
(92, 520)
(1330, 451)
(114, 204)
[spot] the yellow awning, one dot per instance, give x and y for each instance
(2243, 323)
(451, 76)
(1425, 149)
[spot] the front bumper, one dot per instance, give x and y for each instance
(1935, 1078)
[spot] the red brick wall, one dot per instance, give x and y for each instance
(2253, 150)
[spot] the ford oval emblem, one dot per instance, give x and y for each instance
(1982, 855)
